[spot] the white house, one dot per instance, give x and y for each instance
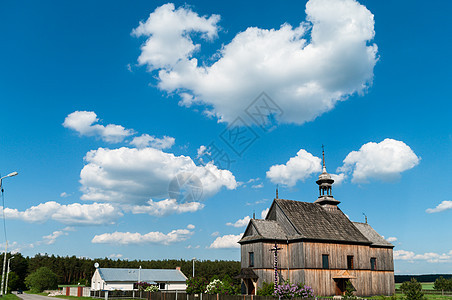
(124, 279)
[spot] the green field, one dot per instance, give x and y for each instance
(425, 285)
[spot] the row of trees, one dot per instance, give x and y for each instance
(79, 270)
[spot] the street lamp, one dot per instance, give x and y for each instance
(194, 258)
(6, 241)
(7, 274)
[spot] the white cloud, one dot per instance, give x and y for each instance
(445, 205)
(384, 161)
(240, 223)
(164, 207)
(130, 175)
(226, 241)
(264, 213)
(156, 237)
(84, 123)
(51, 238)
(64, 195)
(297, 168)
(258, 186)
(216, 233)
(115, 255)
(307, 69)
(146, 140)
(338, 178)
(168, 31)
(391, 239)
(429, 256)
(73, 214)
(190, 226)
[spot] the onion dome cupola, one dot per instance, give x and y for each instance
(325, 183)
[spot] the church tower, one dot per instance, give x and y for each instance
(325, 182)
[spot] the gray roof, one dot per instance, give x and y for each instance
(266, 229)
(372, 235)
(312, 221)
(146, 275)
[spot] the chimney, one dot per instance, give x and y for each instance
(178, 268)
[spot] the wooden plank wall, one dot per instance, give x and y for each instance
(312, 254)
(367, 283)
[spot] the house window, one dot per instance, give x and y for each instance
(162, 286)
(251, 259)
(325, 263)
(373, 263)
(350, 262)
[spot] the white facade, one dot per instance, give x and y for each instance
(174, 282)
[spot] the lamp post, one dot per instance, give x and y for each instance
(194, 258)
(6, 241)
(7, 275)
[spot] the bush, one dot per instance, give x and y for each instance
(151, 288)
(412, 290)
(349, 291)
(267, 289)
(217, 286)
(196, 285)
(289, 291)
(42, 279)
(142, 285)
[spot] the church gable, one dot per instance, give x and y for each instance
(250, 230)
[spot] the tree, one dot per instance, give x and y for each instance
(42, 279)
(412, 290)
(13, 282)
(443, 284)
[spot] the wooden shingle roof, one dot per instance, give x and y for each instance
(264, 230)
(372, 235)
(312, 221)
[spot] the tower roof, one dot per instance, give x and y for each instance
(325, 183)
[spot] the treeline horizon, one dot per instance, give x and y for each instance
(79, 270)
(420, 278)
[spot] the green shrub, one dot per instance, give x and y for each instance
(267, 289)
(412, 290)
(443, 284)
(349, 291)
(196, 285)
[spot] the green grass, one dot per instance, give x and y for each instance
(425, 285)
(10, 297)
(73, 297)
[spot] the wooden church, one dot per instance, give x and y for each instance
(317, 245)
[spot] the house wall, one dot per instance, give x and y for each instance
(366, 283)
(305, 265)
(312, 254)
(96, 281)
(128, 286)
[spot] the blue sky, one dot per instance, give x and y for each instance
(105, 104)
